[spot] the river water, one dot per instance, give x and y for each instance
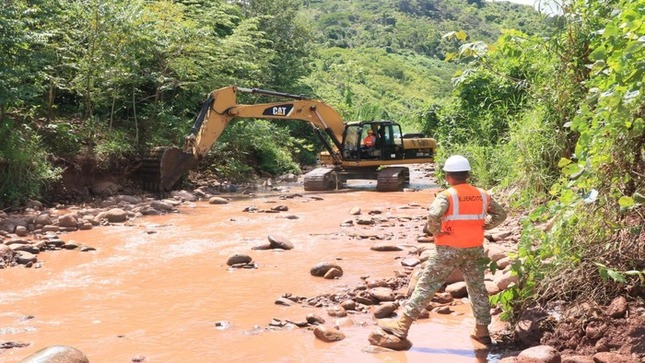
(159, 287)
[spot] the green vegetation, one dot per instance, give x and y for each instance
(24, 169)
(248, 146)
(389, 54)
(366, 83)
(560, 120)
(105, 81)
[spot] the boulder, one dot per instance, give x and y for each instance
(576, 359)
(618, 308)
(105, 188)
(218, 200)
(385, 310)
(161, 205)
(278, 241)
(314, 319)
(68, 220)
(382, 294)
(337, 311)
(333, 273)
(610, 357)
(328, 334)
(320, 269)
(385, 248)
(184, 195)
(6, 253)
(25, 258)
(238, 258)
(495, 252)
(116, 215)
(21, 231)
(539, 354)
(385, 340)
(43, 219)
(57, 354)
(505, 279)
(130, 199)
(457, 290)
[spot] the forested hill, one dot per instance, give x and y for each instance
(404, 26)
(385, 59)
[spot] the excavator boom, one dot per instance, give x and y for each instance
(163, 168)
(224, 108)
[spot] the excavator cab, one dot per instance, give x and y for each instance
(385, 145)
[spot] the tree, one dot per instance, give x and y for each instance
(289, 39)
(23, 39)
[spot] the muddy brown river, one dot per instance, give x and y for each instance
(160, 288)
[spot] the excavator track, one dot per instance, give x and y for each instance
(393, 179)
(321, 179)
(163, 168)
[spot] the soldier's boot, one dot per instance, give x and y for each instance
(481, 334)
(398, 327)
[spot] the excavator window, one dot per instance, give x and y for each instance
(392, 143)
(351, 143)
(387, 146)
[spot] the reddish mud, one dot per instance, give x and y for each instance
(159, 287)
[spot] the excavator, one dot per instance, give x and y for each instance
(344, 157)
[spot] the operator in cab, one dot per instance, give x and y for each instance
(369, 140)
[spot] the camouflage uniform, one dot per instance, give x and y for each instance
(471, 262)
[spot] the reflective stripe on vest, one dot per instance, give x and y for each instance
(456, 216)
(463, 223)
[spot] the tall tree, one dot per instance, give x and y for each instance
(288, 36)
(23, 39)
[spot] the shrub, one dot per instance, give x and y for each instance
(25, 171)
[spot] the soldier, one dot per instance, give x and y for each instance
(457, 219)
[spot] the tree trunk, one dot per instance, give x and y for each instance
(50, 101)
(136, 123)
(90, 62)
(112, 110)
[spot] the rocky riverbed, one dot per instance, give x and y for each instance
(556, 333)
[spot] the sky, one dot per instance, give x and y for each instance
(546, 6)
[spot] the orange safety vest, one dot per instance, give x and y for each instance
(465, 217)
(369, 140)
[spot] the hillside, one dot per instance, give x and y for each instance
(385, 59)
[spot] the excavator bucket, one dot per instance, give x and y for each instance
(164, 167)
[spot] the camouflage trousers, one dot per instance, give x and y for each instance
(471, 262)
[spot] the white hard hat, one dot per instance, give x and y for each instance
(456, 163)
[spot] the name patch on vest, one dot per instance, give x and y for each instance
(470, 198)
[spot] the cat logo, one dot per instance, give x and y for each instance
(279, 110)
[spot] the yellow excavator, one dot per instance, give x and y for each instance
(345, 157)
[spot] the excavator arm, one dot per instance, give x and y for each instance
(166, 165)
(224, 108)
